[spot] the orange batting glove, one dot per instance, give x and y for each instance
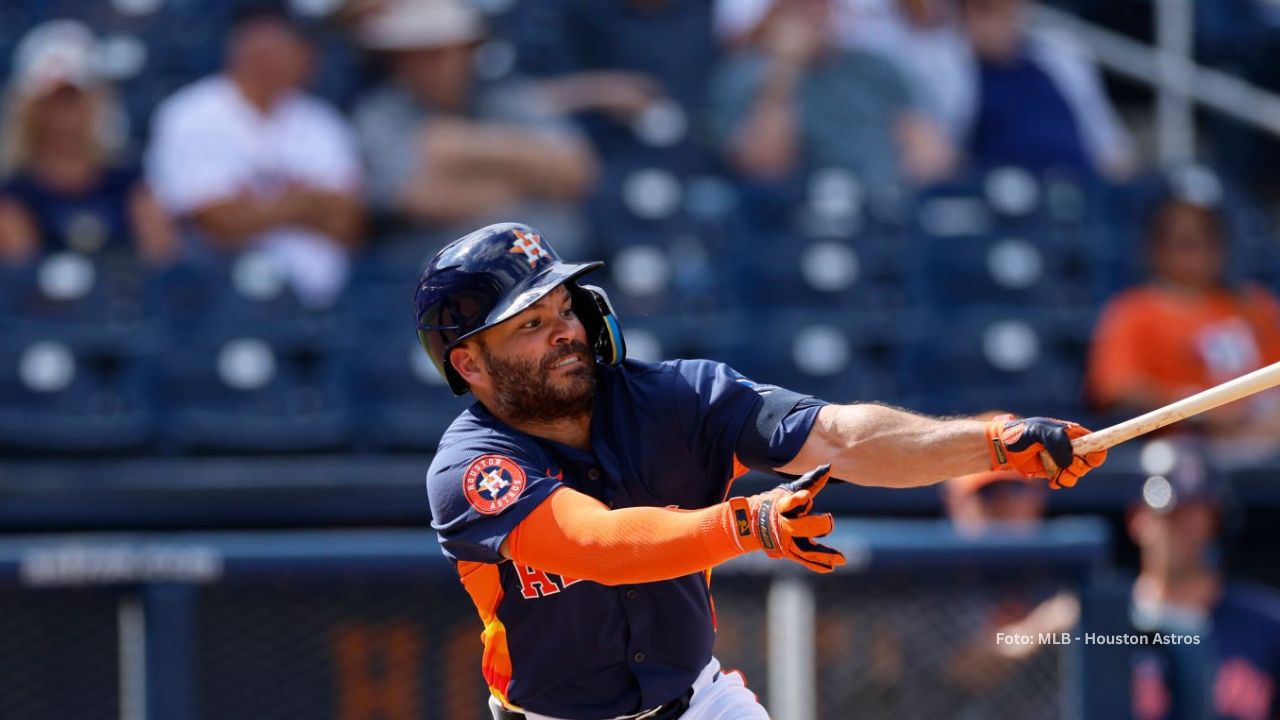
(1040, 447)
(778, 522)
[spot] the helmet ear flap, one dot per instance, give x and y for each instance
(591, 305)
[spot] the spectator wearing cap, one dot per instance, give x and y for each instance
(788, 100)
(1230, 668)
(250, 161)
(1188, 328)
(1039, 101)
(446, 149)
(63, 189)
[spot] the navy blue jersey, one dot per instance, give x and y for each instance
(675, 433)
(1241, 648)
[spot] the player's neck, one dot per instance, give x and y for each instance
(572, 431)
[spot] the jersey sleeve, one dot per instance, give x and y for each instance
(730, 417)
(480, 491)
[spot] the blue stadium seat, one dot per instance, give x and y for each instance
(993, 269)
(68, 394)
(98, 299)
(244, 297)
(830, 274)
(401, 401)
(240, 392)
(1009, 358)
(833, 356)
(681, 274)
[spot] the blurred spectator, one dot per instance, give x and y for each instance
(922, 38)
(980, 503)
(446, 149)
(1229, 665)
(970, 673)
(253, 162)
(790, 101)
(634, 71)
(62, 190)
(1188, 329)
(1040, 101)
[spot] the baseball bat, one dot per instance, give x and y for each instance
(1216, 396)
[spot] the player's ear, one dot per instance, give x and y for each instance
(467, 361)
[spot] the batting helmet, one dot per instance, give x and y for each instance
(490, 275)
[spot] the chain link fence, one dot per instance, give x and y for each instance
(298, 626)
(924, 646)
(59, 654)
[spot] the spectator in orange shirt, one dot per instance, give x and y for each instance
(1188, 329)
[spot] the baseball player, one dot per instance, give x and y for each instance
(584, 498)
(1218, 654)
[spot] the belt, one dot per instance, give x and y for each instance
(666, 711)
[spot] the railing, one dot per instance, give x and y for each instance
(1177, 80)
(358, 624)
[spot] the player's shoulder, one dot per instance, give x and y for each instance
(676, 376)
(476, 432)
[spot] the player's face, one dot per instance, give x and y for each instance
(538, 364)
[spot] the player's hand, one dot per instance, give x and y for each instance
(1040, 447)
(778, 522)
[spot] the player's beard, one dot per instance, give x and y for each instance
(526, 393)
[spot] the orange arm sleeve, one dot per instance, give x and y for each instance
(574, 534)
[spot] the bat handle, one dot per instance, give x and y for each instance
(1093, 442)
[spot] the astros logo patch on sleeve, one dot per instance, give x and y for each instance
(492, 482)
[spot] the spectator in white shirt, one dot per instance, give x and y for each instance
(252, 162)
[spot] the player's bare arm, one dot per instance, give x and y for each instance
(883, 446)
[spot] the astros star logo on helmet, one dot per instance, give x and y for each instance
(530, 244)
(492, 483)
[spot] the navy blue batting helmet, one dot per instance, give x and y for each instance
(489, 276)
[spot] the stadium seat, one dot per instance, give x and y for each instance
(401, 401)
(68, 394)
(833, 356)
(989, 269)
(244, 296)
(827, 273)
(984, 358)
(240, 392)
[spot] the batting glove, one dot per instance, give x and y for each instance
(1040, 447)
(778, 522)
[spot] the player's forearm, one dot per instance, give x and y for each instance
(882, 446)
(573, 534)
